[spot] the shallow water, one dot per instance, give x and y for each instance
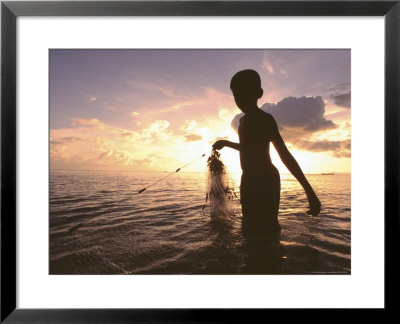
(100, 225)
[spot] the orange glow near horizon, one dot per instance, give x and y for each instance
(94, 145)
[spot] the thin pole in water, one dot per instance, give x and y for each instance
(171, 173)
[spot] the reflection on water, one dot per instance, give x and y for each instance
(165, 231)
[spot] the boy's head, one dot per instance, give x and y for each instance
(246, 89)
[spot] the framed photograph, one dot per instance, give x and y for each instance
(162, 159)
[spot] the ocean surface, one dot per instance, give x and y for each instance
(99, 224)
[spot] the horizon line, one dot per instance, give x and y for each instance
(82, 170)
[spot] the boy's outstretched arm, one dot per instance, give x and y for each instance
(291, 163)
(222, 143)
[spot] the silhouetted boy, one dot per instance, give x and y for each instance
(260, 181)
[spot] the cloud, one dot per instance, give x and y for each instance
(342, 100)
(191, 131)
(155, 132)
(65, 140)
(202, 108)
(189, 125)
(268, 66)
(193, 137)
(159, 125)
(337, 148)
(92, 144)
(299, 119)
(345, 154)
(305, 114)
(126, 134)
(165, 90)
(271, 70)
(339, 87)
(86, 122)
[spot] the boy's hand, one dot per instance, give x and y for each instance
(315, 205)
(219, 144)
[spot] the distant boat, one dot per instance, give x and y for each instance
(328, 173)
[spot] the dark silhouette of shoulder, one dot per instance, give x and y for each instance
(266, 117)
(268, 121)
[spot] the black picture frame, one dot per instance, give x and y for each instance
(10, 10)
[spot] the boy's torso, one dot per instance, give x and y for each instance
(254, 142)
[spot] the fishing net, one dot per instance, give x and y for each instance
(220, 193)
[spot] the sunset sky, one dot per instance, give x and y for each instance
(136, 110)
